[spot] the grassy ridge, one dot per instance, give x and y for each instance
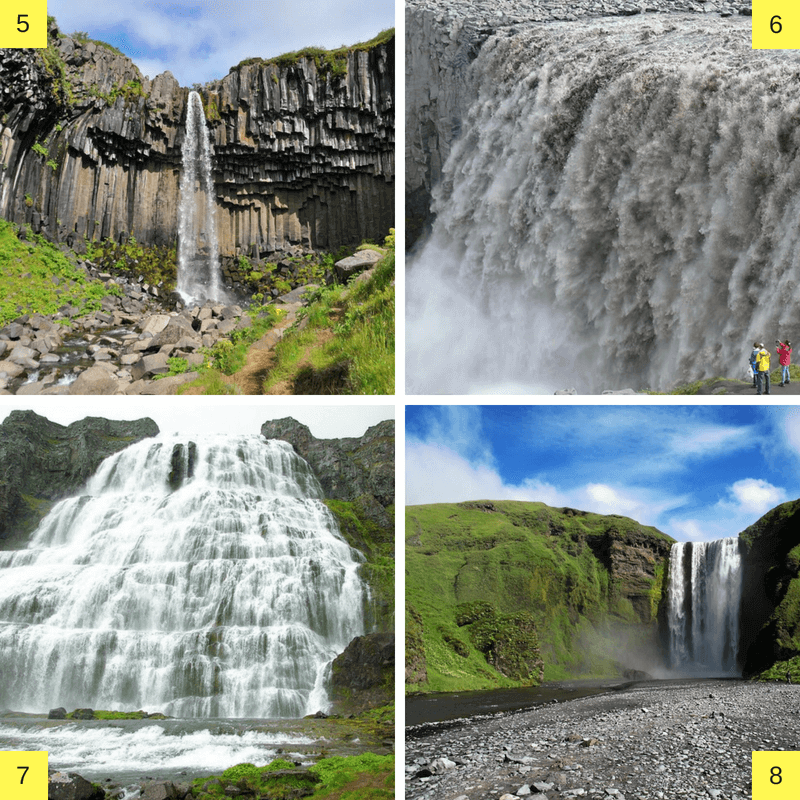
(518, 557)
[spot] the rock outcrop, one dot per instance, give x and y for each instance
(42, 461)
(303, 153)
(363, 675)
(346, 468)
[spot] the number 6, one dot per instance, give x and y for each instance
(774, 26)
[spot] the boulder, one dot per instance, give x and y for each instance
(71, 786)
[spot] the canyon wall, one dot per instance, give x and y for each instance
(303, 153)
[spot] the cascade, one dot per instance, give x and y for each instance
(200, 578)
(621, 209)
(198, 252)
(704, 596)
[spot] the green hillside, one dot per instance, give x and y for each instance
(503, 593)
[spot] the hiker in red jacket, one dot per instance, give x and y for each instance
(785, 357)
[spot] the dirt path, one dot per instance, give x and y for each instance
(261, 356)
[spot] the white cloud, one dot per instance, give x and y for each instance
(227, 30)
(437, 474)
(756, 496)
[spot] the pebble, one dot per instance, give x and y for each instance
(683, 747)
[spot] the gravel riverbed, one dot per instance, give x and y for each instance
(650, 742)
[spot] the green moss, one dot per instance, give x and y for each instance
(781, 672)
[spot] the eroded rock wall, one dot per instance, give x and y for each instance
(42, 461)
(91, 148)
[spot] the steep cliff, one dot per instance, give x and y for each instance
(42, 461)
(770, 614)
(589, 584)
(303, 147)
(357, 477)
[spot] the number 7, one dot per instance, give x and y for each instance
(23, 774)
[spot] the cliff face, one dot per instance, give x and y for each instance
(590, 583)
(42, 461)
(770, 614)
(302, 156)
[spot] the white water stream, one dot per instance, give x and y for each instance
(199, 578)
(704, 598)
(198, 251)
(621, 210)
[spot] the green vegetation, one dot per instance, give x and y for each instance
(787, 671)
(130, 91)
(358, 526)
(362, 777)
(36, 277)
(157, 265)
(83, 38)
(347, 345)
(39, 148)
(228, 356)
(332, 63)
(491, 586)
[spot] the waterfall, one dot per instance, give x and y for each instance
(704, 596)
(198, 252)
(621, 209)
(200, 577)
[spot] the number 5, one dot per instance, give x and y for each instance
(25, 768)
(21, 21)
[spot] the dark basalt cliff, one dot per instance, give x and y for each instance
(42, 461)
(303, 155)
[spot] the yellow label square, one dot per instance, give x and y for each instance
(776, 774)
(23, 775)
(23, 23)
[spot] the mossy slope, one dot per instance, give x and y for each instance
(583, 580)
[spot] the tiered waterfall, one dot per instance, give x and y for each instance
(197, 577)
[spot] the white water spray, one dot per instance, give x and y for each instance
(704, 596)
(622, 209)
(197, 578)
(198, 251)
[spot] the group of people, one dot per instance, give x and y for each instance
(759, 364)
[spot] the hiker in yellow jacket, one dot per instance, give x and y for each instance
(762, 364)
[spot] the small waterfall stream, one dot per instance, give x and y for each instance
(198, 251)
(200, 578)
(704, 596)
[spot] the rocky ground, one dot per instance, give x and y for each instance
(652, 742)
(122, 348)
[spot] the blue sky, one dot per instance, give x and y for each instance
(199, 40)
(694, 472)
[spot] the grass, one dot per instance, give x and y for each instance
(36, 277)
(363, 777)
(347, 346)
(328, 62)
(517, 556)
(228, 356)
